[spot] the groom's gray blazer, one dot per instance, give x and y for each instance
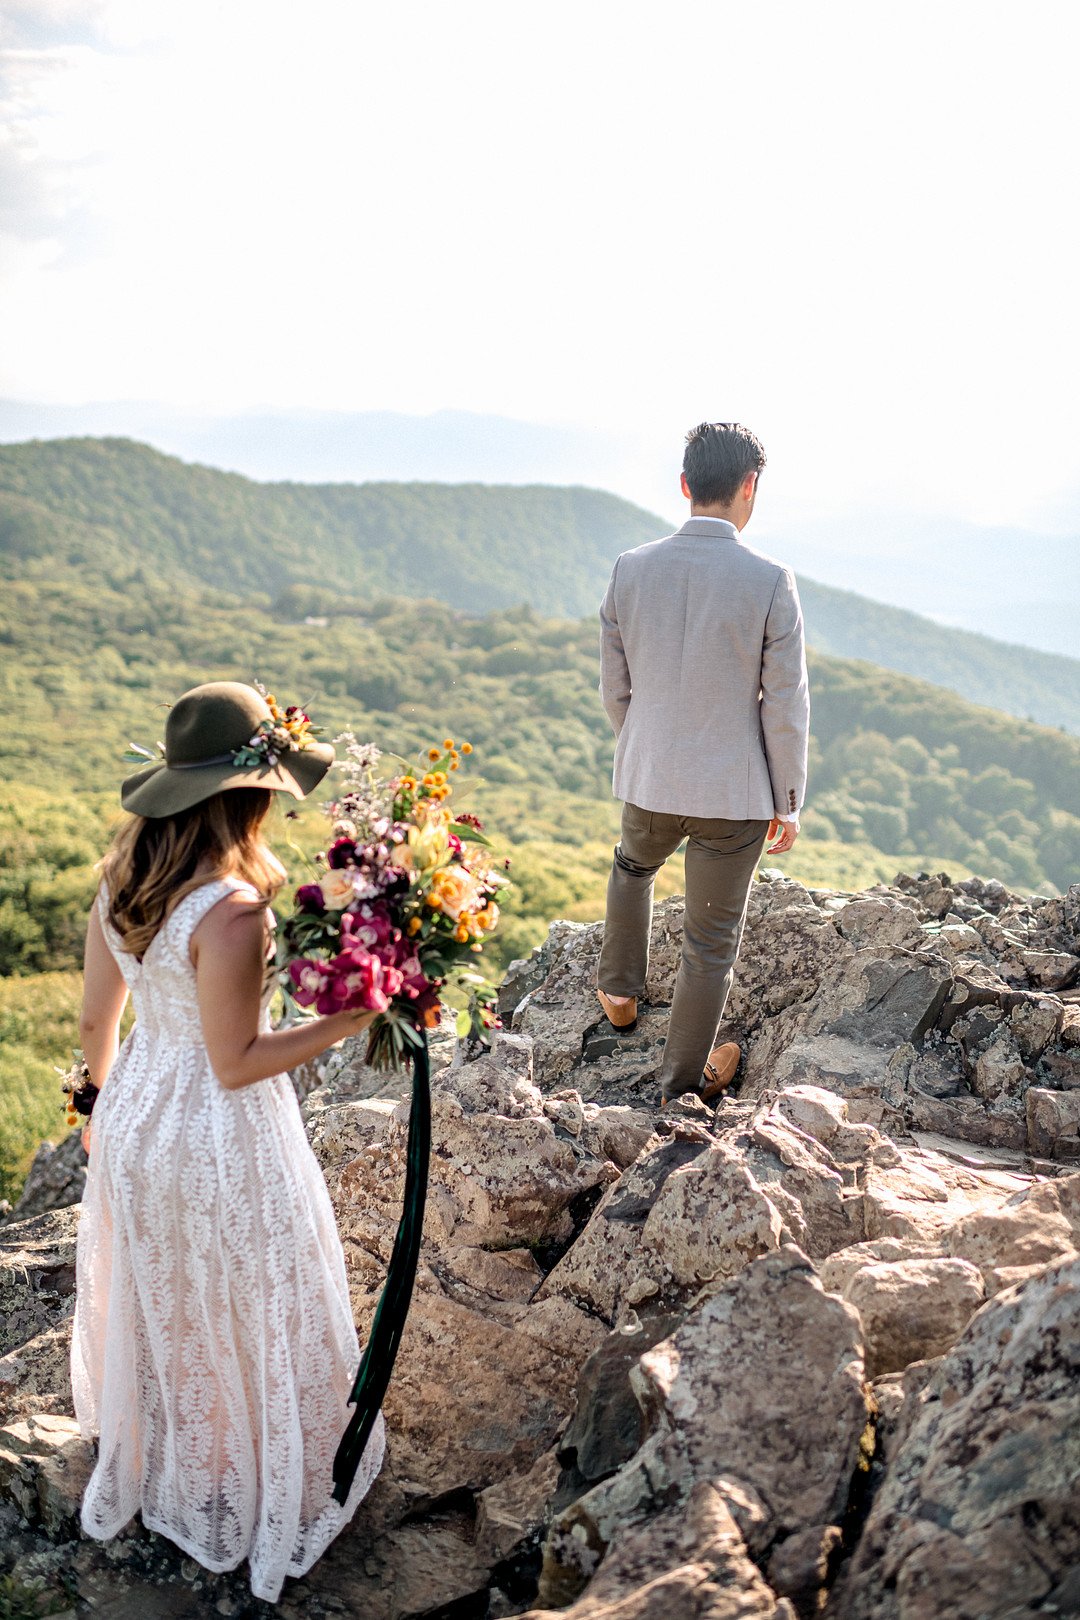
(703, 676)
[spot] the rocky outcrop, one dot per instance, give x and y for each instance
(979, 1509)
(931, 1006)
(811, 1352)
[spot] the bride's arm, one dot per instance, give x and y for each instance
(104, 998)
(228, 950)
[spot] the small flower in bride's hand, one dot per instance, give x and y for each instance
(370, 926)
(342, 853)
(309, 979)
(453, 889)
(309, 897)
(337, 889)
(362, 980)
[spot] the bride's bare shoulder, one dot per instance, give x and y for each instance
(241, 910)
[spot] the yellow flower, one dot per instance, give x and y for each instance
(454, 765)
(439, 778)
(461, 934)
(429, 780)
(408, 782)
(448, 743)
(414, 925)
(466, 748)
(433, 753)
(430, 845)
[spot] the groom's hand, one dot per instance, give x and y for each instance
(788, 831)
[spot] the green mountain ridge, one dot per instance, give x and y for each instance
(134, 515)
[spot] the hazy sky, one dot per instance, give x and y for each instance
(853, 226)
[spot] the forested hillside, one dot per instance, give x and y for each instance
(136, 518)
(898, 767)
(124, 507)
(1032, 685)
(100, 631)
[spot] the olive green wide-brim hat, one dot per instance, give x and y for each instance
(206, 729)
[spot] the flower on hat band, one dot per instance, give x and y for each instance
(285, 731)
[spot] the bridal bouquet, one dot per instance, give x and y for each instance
(405, 901)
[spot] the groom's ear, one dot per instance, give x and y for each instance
(685, 487)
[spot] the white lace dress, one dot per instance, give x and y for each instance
(213, 1346)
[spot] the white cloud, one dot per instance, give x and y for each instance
(851, 227)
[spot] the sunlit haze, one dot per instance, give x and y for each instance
(852, 226)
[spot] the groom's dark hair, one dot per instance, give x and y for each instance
(717, 458)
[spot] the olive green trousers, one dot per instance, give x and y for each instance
(721, 858)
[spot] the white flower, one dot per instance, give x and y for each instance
(338, 889)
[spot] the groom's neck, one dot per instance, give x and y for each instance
(727, 513)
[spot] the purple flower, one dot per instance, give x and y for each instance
(310, 980)
(370, 925)
(309, 897)
(342, 853)
(392, 882)
(359, 981)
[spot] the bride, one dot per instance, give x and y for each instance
(213, 1347)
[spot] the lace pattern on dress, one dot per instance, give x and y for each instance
(213, 1347)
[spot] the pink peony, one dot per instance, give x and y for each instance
(370, 925)
(309, 979)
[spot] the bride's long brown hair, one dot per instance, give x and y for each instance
(151, 863)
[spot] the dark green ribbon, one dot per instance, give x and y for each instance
(389, 1324)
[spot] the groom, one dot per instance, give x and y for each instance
(703, 676)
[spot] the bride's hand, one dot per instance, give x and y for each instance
(356, 1018)
(86, 1138)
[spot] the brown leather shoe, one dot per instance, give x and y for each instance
(622, 1017)
(720, 1070)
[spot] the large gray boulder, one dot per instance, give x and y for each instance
(978, 1515)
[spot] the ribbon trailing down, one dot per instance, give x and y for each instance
(389, 1324)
